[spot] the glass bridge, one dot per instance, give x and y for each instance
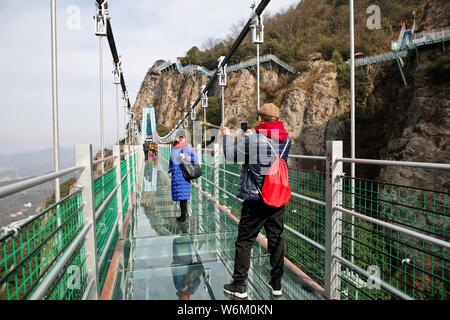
(168, 260)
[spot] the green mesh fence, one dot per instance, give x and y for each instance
(105, 223)
(132, 177)
(123, 168)
(72, 282)
(103, 186)
(229, 185)
(415, 267)
(105, 228)
(301, 215)
(308, 219)
(29, 254)
(125, 198)
(164, 152)
(125, 195)
(208, 173)
(103, 269)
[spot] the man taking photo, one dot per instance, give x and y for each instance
(258, 151)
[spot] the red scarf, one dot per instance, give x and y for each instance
(181, 144)
(273, 130)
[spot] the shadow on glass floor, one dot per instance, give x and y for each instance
(164, 259)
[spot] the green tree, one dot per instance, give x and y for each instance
(162, 130)
(341, 66)
(213, 113)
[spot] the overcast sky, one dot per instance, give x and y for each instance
(145, 31)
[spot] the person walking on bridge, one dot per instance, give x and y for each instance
(258, 151)
(181, 187)
(146, 147)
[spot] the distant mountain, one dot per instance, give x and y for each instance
(15, 167)
(33, 163)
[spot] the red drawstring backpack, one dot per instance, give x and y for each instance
(276, 191)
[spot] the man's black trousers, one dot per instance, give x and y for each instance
(256, 215)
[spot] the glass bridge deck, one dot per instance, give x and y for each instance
(164, 259)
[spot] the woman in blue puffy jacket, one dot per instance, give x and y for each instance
(181, 188)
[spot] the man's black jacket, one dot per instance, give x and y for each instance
(256, 155)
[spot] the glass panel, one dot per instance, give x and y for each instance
(166, 259)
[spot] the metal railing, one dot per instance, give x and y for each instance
(420, 39)
(375, 240)
(381, 58)
(64, 251)
(400, 235)
(429, 36)
(177, 66)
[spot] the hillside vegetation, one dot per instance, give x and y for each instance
(315, 25)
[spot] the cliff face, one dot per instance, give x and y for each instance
(311, 108)
(171, 95)
(309, 102)
(421, 133)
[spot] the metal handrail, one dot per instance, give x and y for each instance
(305, 238)
(229, 172)
(391, 226)
(108, 242)
(43, 287)
(295, 156)
(105, 203)
(33, 182)
(125, 176)
(87, 290)
(236, 67)
(291, 230)
(227, 192)
(19, 225)
(315, 201)
(97, 162)
(38, 247)
(363, 272)
(423, 165)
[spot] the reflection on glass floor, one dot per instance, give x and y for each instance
(165, 259)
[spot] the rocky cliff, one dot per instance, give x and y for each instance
(171, 94)
(310, 102)
(393, 122)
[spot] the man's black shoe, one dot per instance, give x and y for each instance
(236, 289)
(275, 285)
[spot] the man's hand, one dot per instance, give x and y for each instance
(182, 156)
(225, 131)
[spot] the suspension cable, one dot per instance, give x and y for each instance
(101, 5)
(247, 28)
